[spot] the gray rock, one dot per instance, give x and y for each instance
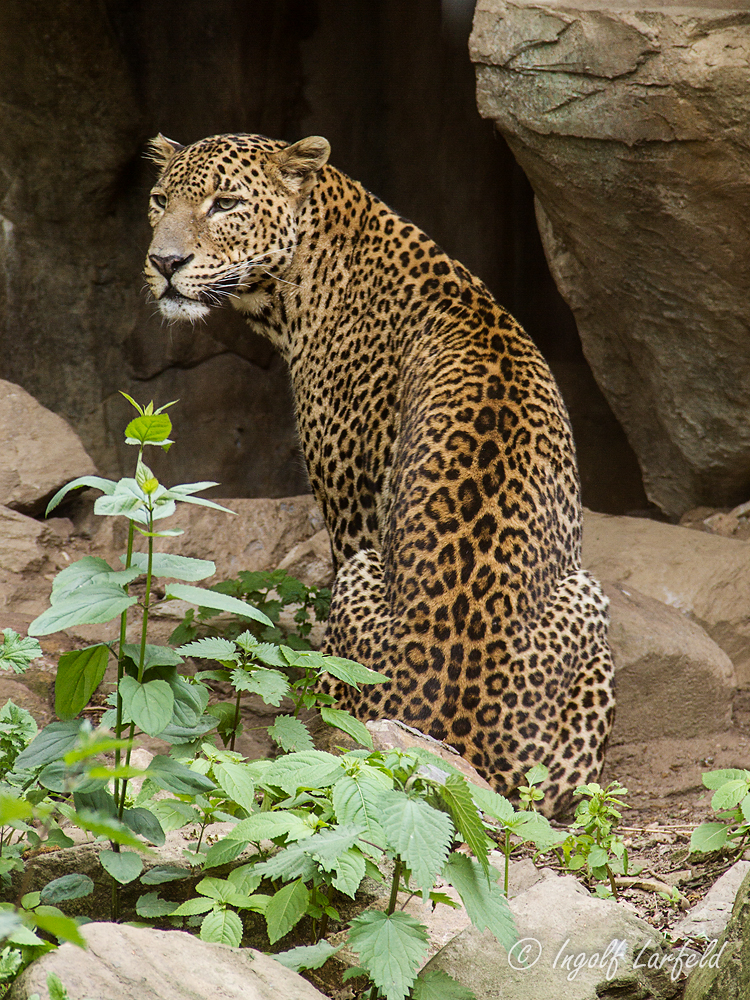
(137, 963)
(725, 974)
(671, 678)
(40, 451)
(705, 577)
(571, 946)
(709, 918)
(632, 126)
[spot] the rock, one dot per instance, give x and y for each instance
(40, 452)
(311, 561)
(709, 917)
(30, 555)
(671, 678)
(632, 124)
(137, 963)
(575, 946)
(705, 577)
(726, 973)
(390, 734)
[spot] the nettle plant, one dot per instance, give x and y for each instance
(592, 844)
(329, 819)
(731, 803)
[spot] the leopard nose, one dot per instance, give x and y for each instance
(168, 265)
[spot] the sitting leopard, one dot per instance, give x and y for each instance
(437, 446)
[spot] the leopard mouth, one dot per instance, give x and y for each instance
(175, 306)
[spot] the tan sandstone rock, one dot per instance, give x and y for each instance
(40, 452)
(631, 122)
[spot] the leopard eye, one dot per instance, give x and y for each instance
(160, 200)
(224, 204)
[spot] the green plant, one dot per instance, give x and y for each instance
(731, 803)
(592, 843)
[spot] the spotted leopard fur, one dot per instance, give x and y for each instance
(437, 446)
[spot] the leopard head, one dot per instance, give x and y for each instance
(224, 213)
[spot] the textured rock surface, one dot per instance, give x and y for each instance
(631, 123)
(558, 921)
(137, 963)
(729, 977)
(706, 577)
(709, 918)
(671, 678)
(40, 452)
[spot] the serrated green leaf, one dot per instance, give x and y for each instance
(152, 428)
(92, 605)
(218, 602)
(291, 862)
(494, 805)
(151, 906)
(418, 833)
(79, 674)
(145, 824)
(271, 685)
(484, 900)
(438, 985)
(175, 777)
(223, 851)
(73, 886)
(327, 846)
(153, 656)
(210, 649)
(234, 778)
(349, 671)
(268, 826)
(285, 909)
(597, 857)
(309, 956)
(708, 837)
(149, 705)
(222, 927)
(290, 734)
(347, 723)
(536, 829)
(166, 564)
(729, 794)
(356, 800)
(391, 948)
(173, 815)
(456, 794)
(123, 866)
(164, 873)
(305, 769)
(16, 653)
(350, 870)
(49, 745)
(715, 779)
(192, 907)
(536, 774)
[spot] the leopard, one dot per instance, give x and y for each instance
(437, 445)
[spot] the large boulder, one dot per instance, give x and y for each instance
(726, 974)
(703, 576)
(137, 963)
(40, 452)
(632, 126)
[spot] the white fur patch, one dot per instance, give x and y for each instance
(251, 302)
(183, 309)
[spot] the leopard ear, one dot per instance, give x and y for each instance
(161, 150)
(299, 163)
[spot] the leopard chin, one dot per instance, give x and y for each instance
(175, 310)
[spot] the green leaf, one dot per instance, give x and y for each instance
(145, 824)
(309, 956)
(192, 907)
(123, 866)
(67, 887)
(597, 857)
(153, 656)
(270, 685)
(328, 845)
(391, 948)
(305, 769)
(105, 485)
(164, 873)
(17, 653)
(152, 428)
(351, 672)
(51, 744)
(218, 602)
(291, 862)
(350, 869)
(79, 674)
(457, 796)
(484, 900)
(729, 795)
(285, 909)
(149, 705)
(173, 814)
(290, 734)
(210, 649)
(222, 927)
(92, 605)
(175, 777)
(418, 833)
(268, 826)
(494, 805)
(63, 928)
(151, 906)
(708, 837)
(536, 829)
(536, 774)
(356, 800)
(438, 985)
(184, 491)
(347, 723)
(715, 779)
(223, 851)
(13, 807)
(235, 780)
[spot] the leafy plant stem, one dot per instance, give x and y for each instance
(506, 851)
(395, 885)
(121, 664)
(236, 723)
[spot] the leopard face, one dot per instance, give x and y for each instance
(437, 447)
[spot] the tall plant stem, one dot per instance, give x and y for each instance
(121, 664)
(236, 722)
